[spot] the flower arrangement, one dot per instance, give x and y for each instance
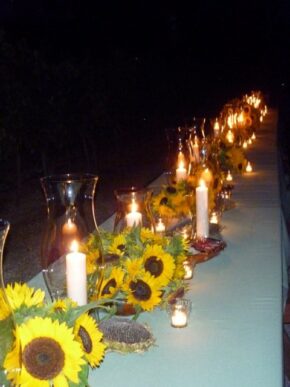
(58, 340)
(142, 269)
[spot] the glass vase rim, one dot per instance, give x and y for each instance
(132, 189)
(4, 224)
(64, 177)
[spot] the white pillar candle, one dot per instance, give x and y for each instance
(202, 224)
(179, 317)
(181, 173)
(133, 218)
(160, 227)
(76, 275)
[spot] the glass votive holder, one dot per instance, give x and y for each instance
(179, 313)
(189, 267)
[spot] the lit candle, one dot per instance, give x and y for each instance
(179, 317)
(229, 176)
(249, 141)
(245, 145)
(214, 218)
(216, 128)
(202, 224)
(69, 227)
(133, 218)
(230, 136)
(207, 176)
(253, 136)
(240, 118)
(249, 167)
(160, 227)
(181, 173)
(76, 275)
(196, 150)
(188, 270)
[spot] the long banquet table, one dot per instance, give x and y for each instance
(234, 337)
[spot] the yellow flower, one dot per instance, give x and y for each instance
(5, 310)
(12, 361)
(50, 354)
(118, 245)
(21, 294)
(62, 305)
(89, 336)
(143, 291)
(179, 272)
(92, 261)
(159, 264)
(134, 267)
(111, 285)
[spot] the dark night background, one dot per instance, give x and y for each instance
(85, 85)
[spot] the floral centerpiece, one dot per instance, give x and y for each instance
(55, 342)
(142, 269)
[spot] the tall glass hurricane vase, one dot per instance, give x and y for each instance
(70, 202)
(9, 365)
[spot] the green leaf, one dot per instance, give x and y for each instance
(6, 337)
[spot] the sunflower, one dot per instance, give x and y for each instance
(50, 353)
(118, 245)
(179, 272)
(62, 305)
(143, 291)
(148, 236)
(89, 336)
(111, 285)
(134, 267)
(12, 361)
(159, 264)
(4, 307)
(21, 294)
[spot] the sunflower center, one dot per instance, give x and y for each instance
(121, 247)
(141, 290)
(154, 266)
(163, 201)
(110, 284)
(43, 358)
(171, 190)
(86, 339)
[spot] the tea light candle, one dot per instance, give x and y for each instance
(216, 128)
(202, 224)
(249, 167)
(245, 145)
(230, 136)
(160, 227)
(214, 218)
(229, 176)
(69, 227)
(179, 317)
(188, 270)
(133, 218)
(76, 275)
(181, 173)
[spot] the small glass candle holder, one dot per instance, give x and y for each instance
(179, 313)
(189, 267)
(133, 209)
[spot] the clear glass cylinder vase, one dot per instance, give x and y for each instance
(9, 364)
(70, 200)
(133, 209)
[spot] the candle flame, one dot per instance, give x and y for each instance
(134, 206)
(74, 247)
(249, 167)
(202, 183)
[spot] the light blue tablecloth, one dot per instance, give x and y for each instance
(234, 338)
